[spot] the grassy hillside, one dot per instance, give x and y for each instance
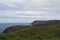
(34, 32)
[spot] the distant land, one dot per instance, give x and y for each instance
(38, 22)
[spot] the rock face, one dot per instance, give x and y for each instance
(46, 22)
(11, 29)
(7, 29)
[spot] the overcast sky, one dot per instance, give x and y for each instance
(26, 11)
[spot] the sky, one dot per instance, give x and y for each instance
(26, 11)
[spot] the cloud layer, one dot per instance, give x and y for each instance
(29, 10)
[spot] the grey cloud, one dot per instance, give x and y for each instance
(31, 9)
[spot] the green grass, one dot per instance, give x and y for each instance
(40, 32)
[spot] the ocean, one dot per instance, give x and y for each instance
(3, 26)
